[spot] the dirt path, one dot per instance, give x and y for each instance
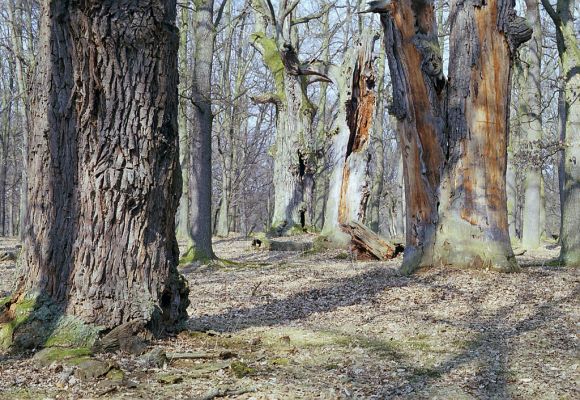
(284, 325)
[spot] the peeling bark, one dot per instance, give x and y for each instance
(473, 229)
(100, 238)
(414, 59)
(349, 187)
(454, 157)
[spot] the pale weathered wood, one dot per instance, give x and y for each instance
(364, 240)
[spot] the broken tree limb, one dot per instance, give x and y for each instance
(365, 241)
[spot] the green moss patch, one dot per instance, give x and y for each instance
(68, 356)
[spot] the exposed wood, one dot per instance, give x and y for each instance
(365, 241)
(349, 186)
(473, 226)
(414, 58)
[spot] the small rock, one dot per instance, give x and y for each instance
(156, 358)
(92, 369)
(169, 379)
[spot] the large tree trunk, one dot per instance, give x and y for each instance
(100, 238)
(455, 195)
(349, 187)
(414, 58)
(569, 53)
(293, 152)
(473, 227)
(200, 176)
(293, 164)
(531, 128)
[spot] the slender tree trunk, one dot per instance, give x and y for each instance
(200, 174)
(511, 191)
(16, 38)
(349, 181)
(569, 110)
(184, 108)
(531, 125)
(100, 238)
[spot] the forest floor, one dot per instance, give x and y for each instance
(286, 325)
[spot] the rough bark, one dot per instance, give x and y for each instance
(455, 158)
(100, 238)
(374, 214)
(349, 186)
(415, 63)
(531, 128)
(200, 174)
(473, 227)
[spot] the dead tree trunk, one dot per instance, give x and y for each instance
(414, 58)
(454, 159)
(349, 187)
(473, 228)
(105, 179)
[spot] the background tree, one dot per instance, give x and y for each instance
(569, 54)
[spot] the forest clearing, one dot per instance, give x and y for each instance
(294, 325)
(283, 199)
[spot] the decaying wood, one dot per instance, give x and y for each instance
(414, 58)
(454, 141)
(473, 226)
(349, 186)
(365, 241)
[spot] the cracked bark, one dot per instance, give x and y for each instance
(105, 177)
(454, 157)
(349, 187)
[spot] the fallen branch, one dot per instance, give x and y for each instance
(365, 241)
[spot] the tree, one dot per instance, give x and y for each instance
(349, 187)
(294, 159)
(454, 141)
(569, 54)
(200, 138)
(100, 243)
(530, 108)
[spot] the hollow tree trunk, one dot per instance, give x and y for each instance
(414, 59)
(105, 178)
(200, 174)
(531, 125)
(473, 227)
(349, 182)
